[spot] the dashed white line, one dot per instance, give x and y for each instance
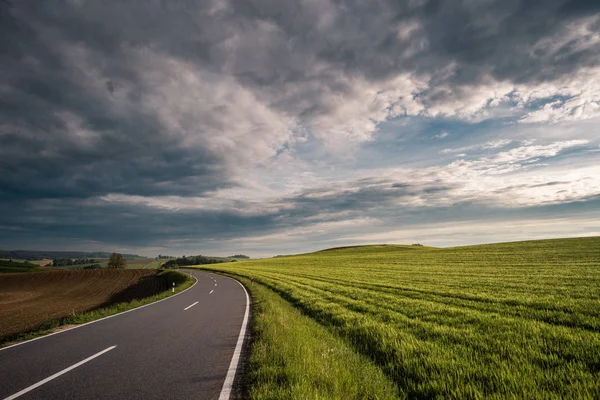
(64, 371)
(215, 284)
(190, 306)
(211, 291)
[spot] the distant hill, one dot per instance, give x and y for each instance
(382, 247)
(43, 254)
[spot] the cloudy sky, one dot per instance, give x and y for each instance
(271, 127)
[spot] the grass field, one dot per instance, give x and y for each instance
(7, 266)
(135, 263)
(295, 358)
(491, 321)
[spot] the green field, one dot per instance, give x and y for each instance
(7, 266)
(156, 263)
(137, 263)
(131, 263)
(509, 320)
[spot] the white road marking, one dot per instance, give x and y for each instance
(215, 284)
(64, 371)
(211, 291)
(235, 360)
(190, 306)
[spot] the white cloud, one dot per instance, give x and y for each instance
(477, 231)
(211, 111)
(313, 231)
(507, 179)
(492, 144)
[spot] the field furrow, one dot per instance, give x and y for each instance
(497, 321)
(28, 300)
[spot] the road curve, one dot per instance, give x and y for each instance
(179, 348)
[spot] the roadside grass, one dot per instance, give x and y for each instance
(293, 357)
(182, 281)
(508, 320)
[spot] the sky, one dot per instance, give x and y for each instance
(268, 127)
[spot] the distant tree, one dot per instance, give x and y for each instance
(239, 256)
(116, 260)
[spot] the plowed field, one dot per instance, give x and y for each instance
(28, 300)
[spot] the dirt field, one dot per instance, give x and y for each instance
(28, 300)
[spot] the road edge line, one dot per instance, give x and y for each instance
(101, 319)
(235, 359)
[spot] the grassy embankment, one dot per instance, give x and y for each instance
(182, 281)
(293, 357)
(493, 321)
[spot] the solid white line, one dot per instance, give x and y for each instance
(211, 291)
(190, 306)
(64, 371)
(235, 360)
(101, 319)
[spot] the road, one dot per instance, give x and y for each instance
(179, 348)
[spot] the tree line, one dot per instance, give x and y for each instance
(192, 260)
(63, 262)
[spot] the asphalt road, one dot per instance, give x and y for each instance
(163, 351)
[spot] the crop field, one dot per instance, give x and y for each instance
(131, 263)
(490, 321)
(155, 264)
(28, 300)
(7, 266)
(135, 263)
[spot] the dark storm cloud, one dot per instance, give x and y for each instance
(77, 221)
(492, 37)
(85, 110)
(135, 225)
(279, 43)
(40, 156)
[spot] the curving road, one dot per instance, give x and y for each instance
(179, 348)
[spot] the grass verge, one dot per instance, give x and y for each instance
(294, 357)
(182, 281)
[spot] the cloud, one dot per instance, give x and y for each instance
(492, 144)
(252, 114)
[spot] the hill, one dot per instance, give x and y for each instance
(505, 320)
(51, 254)
(28, 300)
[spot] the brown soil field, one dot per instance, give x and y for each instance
(28, 300)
